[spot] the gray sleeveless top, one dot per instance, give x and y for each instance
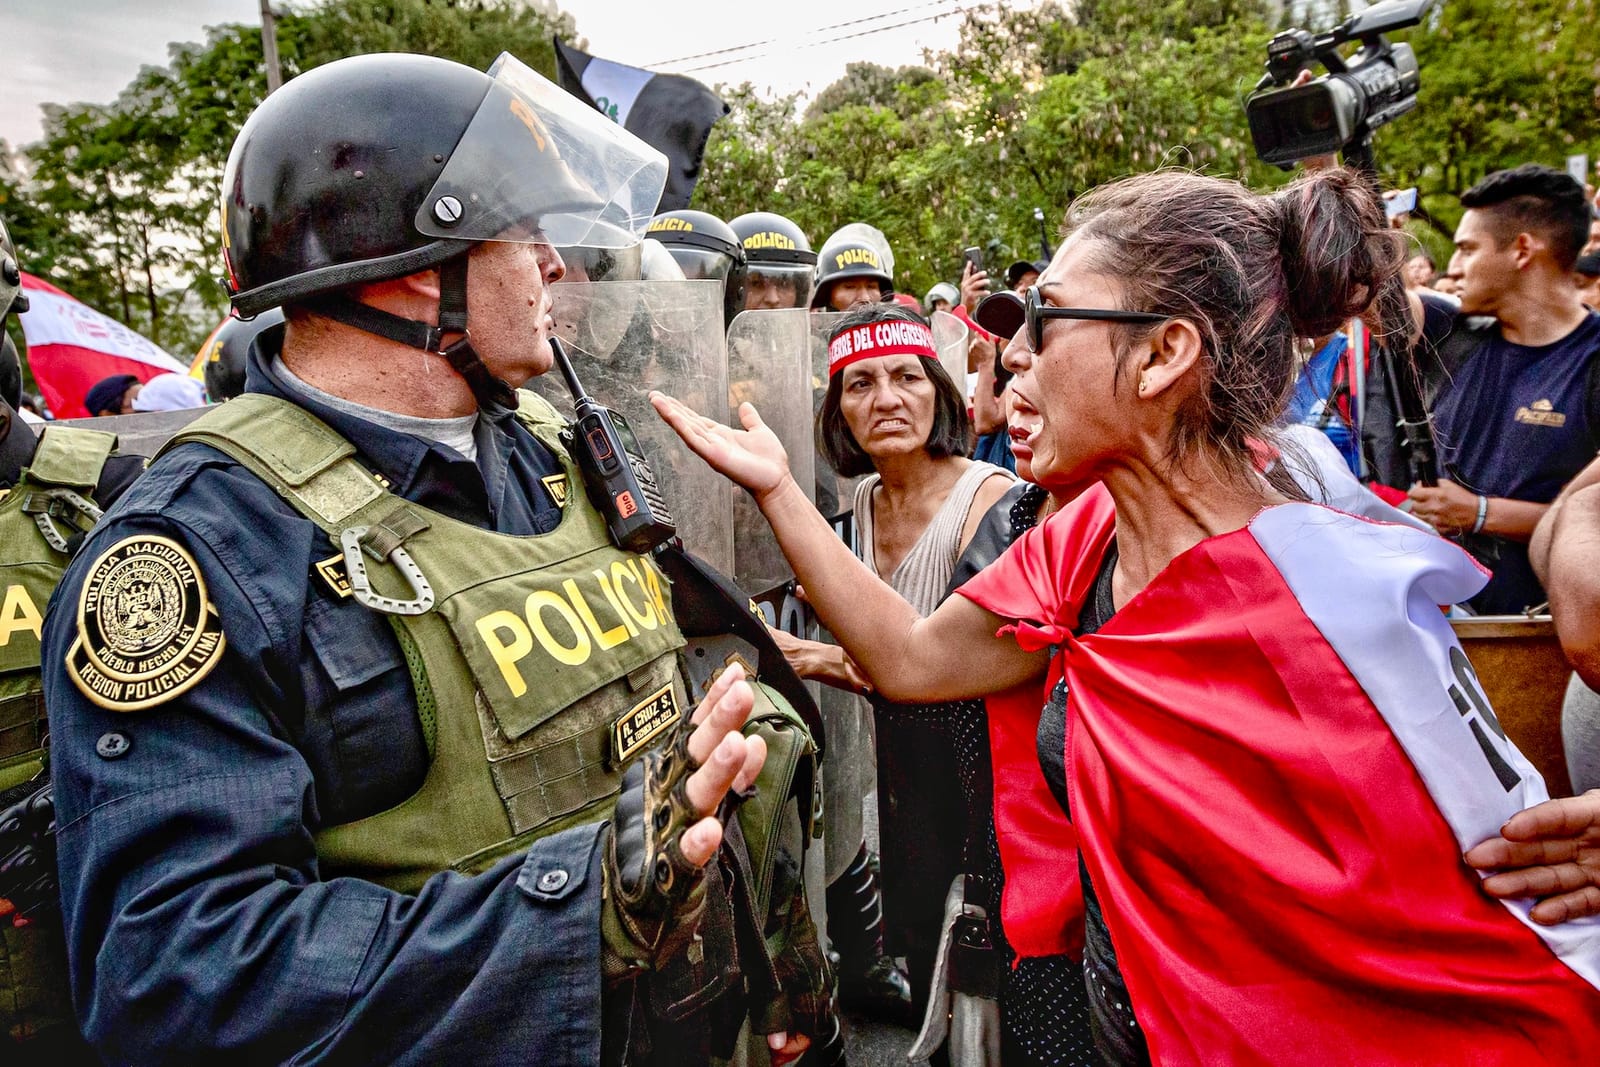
(924, 574)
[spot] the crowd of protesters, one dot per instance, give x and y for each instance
(1144, 573)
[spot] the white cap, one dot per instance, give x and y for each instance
(170, 392)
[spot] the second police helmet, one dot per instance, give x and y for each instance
(779, 263)
(705, 247)
(221, 360)
(849, 257)
(379, 166)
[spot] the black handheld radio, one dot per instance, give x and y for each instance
(618, 477)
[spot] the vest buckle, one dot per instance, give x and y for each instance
(48, 505)
(356, 543)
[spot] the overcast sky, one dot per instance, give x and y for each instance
(63, 51)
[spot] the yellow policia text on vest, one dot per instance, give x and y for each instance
(35, 1000)
(541, 664)
(510, 637)
(18, 613)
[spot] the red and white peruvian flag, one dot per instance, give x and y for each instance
(1277, 753)
(71, 346)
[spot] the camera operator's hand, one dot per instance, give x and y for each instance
(1312, 164)
(974, 287)
(668, 825)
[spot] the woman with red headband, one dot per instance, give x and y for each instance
(892, 413)
(1275, 752)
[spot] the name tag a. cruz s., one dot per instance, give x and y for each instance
(645, 721)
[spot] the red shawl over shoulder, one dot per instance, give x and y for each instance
(1276, 756)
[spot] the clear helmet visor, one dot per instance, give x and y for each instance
(698, 263)
(602, 263)
(536, 164)
(770, 286)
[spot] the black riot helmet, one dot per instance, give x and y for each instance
(222, 357)
(778, 261)
(849, 257)
(12, 298)
(10, 371)
(379, 166)
(705, 247)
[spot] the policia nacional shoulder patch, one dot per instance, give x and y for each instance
(146, 631)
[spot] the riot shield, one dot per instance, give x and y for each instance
(769, 365)
(142, 433)
(627, 338)
(950, 337)
(833, 493)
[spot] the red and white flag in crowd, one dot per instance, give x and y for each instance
(71, 346)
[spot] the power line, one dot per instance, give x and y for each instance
(812, 32)
(956, 9)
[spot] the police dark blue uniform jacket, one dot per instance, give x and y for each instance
(195, 915)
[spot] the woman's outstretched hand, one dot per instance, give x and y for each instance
(752, 457)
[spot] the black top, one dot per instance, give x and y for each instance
(1117, 1036)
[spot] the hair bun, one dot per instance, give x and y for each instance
(1338, 252)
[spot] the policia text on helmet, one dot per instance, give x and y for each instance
(705, 247)
(850, 271)
(494, 171)
(780, 266)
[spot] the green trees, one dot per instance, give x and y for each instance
(117, 202)
(1029, 110)
(1035, 106)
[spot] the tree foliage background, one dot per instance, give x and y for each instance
(117, 202)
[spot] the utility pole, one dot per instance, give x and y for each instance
(269, 47)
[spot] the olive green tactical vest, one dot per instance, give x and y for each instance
(49, 503)
(542, 665)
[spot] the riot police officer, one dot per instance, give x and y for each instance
(705, 247)
(850, 271)
(780, 266)
(343, 694)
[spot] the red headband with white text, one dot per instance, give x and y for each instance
(889, 337)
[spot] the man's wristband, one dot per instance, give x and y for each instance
(1483, 514)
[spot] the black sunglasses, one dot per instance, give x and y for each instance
(1035, 311)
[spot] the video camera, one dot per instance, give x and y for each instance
(1338, 111)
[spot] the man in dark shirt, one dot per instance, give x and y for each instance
(1513, 419)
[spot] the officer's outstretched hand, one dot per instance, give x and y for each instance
(752, 457)
(668, 825)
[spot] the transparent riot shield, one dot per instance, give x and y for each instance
(834, 494)
(769, 365)
(950, 339)
(142, 433)
(627, 338)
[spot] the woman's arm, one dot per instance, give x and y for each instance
(816, 661)
(952, 654)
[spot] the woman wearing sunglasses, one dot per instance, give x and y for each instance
(1274, 752)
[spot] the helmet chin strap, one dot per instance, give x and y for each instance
(462, 357)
